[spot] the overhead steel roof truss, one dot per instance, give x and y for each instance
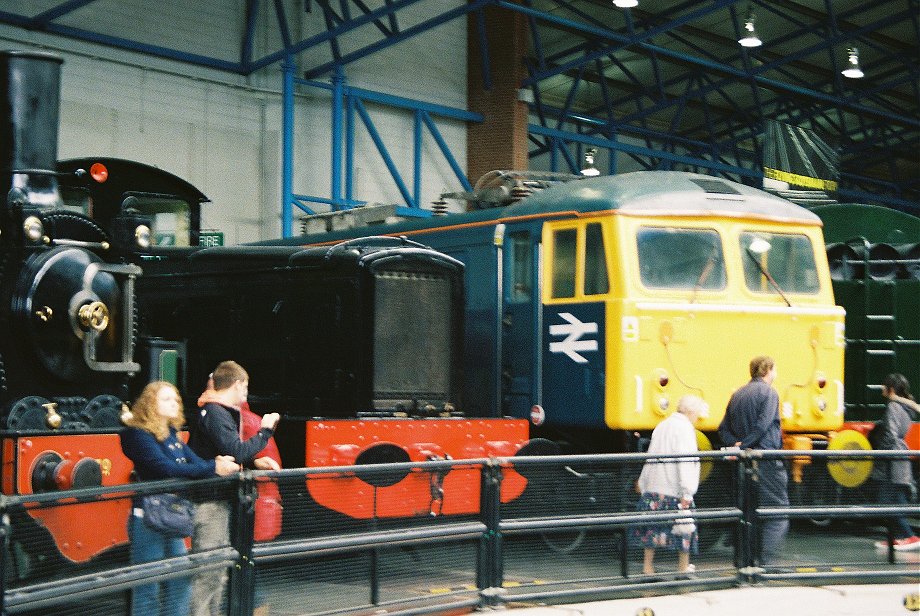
(665, 83)
(672, 82)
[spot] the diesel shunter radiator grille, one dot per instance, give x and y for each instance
(412, 338)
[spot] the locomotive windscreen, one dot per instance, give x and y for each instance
(412, 339)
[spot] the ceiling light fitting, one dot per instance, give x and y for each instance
(625, 4)
(750, 38)
(589, 169)
(852, 69)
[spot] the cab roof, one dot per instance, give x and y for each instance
(664, 193)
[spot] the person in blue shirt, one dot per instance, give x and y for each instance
(151, 442)
(752, 421)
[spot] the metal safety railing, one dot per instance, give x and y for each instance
(573, 532)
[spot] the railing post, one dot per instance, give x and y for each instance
(242, 575)
(5, 530)
(748, 536)
(489, 571)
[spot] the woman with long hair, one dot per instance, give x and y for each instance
(151, 441)
(894, 477)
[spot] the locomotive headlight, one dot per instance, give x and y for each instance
(142, 236)
(663, 404)
(820, 406)
(33, 228)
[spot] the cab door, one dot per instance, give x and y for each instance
(520, 316)
(574, 313)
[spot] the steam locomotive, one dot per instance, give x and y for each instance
(107, 284)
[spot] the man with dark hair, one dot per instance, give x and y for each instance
(752, 422)
(218, 433)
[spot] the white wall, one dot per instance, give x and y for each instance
(222, 132)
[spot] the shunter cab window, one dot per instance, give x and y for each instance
(671, 258)
(521, 267)
(787, 258)
(171, 220)
(170, 216)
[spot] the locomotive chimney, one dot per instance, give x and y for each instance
(30, 83)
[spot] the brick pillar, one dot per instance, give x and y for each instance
(500, 141)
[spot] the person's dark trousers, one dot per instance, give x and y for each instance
(895, 494)
(772, 491)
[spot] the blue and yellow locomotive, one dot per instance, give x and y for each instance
(594, 304)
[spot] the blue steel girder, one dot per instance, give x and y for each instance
(249, 31)
(398, 37)
(60, 10)
(724, 44)
(883, 103)
(330, 18)
(353, 15)
(353, 99)
(761, 82)
(282, 24)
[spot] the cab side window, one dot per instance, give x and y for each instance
(596, 279)
(565, 243)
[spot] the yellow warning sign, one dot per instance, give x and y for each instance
(797, 179)
(849, 472)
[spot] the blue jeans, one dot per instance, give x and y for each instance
(895, 494)
(149, 545)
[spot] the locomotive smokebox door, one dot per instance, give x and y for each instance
(76, 312)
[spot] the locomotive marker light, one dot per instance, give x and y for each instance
(142, 236)
(99, 172)
(33, 229)
(537, 415)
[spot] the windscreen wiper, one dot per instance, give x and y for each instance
(704, 275)
(764, 271)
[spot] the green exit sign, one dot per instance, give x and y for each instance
(211, 238)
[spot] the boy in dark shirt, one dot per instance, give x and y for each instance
(218, 433)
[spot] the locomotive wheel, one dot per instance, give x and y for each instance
(564, 543)
(102, 412)
(29, 413)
